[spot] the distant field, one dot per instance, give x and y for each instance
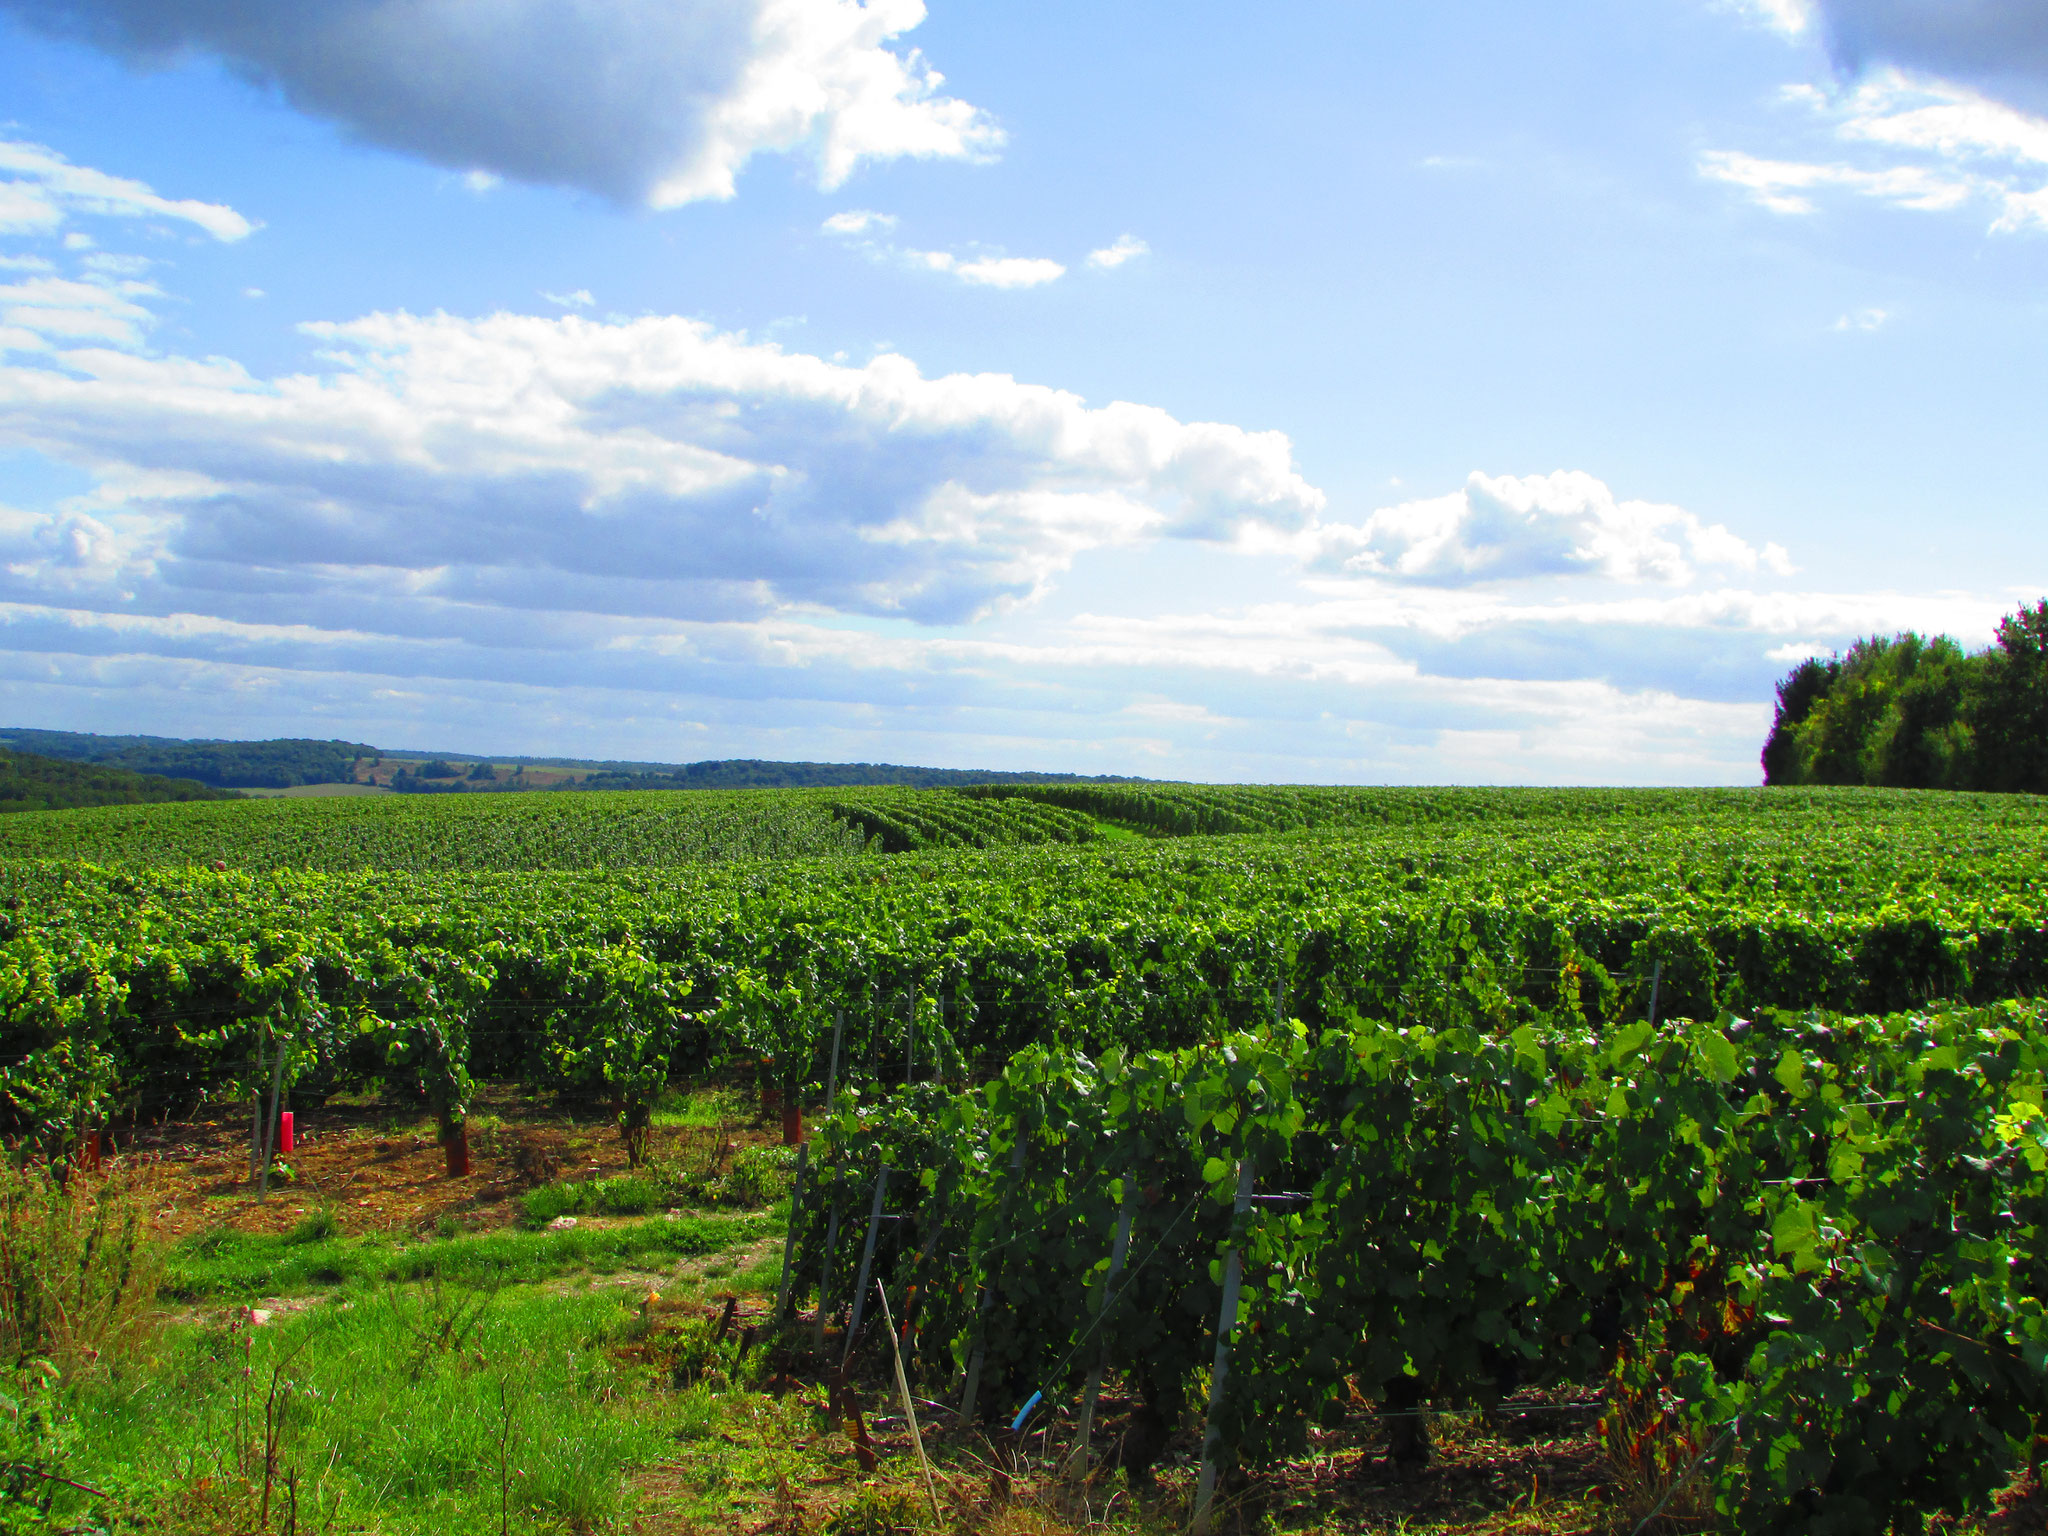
(317, 792)
(377, 830)
(356, 827)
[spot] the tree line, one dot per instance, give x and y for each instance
(1919, 712)
(32, 783)
(280, 764)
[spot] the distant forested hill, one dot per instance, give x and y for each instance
(233, 764)
(1915, 712)
(32, 783)
(755, 773)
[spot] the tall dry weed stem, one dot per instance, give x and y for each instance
(1655, 1465)
(77, 1270)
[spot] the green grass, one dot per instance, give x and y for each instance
(630, 1194)
(756, 1176)
(705, 1108)
(238, 1266)
(386, 1426)
(436, 1388)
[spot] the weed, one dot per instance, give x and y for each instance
(38, 1441)
(699, 1414)
(757, 1176)
(876, 1512)
(76, 1271)
(487, 1134)
(316, 1226)
(1653, 1460)
(702, 1352)
(439, 1319)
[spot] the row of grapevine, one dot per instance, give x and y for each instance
(1814, 1240)
(903, 820)
(531, 831)
(645, 830)
(140, 992)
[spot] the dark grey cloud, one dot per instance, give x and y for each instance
(1999, 46)
(641, 101)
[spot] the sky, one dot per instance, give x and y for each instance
(1308, 392)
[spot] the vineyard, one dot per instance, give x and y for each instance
(1809, 1238)
(1296, 1100)
(639, 830)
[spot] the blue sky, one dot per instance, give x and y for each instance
(1322, 392)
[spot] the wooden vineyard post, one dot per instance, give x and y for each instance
(910, 1042)
(979, 1353)
(796, 1192)
(909, 1405)
(867, 1259)
(1079, 1464)
(1226, 1326)
(825, 1280)
(270, 1125)
(1656, 976)
(256, 1114)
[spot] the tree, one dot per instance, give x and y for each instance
(1916, 712)
(1805, 686)
(2010, 706)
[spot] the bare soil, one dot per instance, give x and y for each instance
(379, 1168)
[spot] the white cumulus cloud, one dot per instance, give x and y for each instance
(1118, 251)
(993, 271)
(1786, 186)
(1791, 17)
(863, 228)
(654, 467)
(654, 102)
(1508, 528)
(46, 189)
(1925, 145)
(858, 221)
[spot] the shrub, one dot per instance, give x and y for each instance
(697, 1355)
(758, 1176)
